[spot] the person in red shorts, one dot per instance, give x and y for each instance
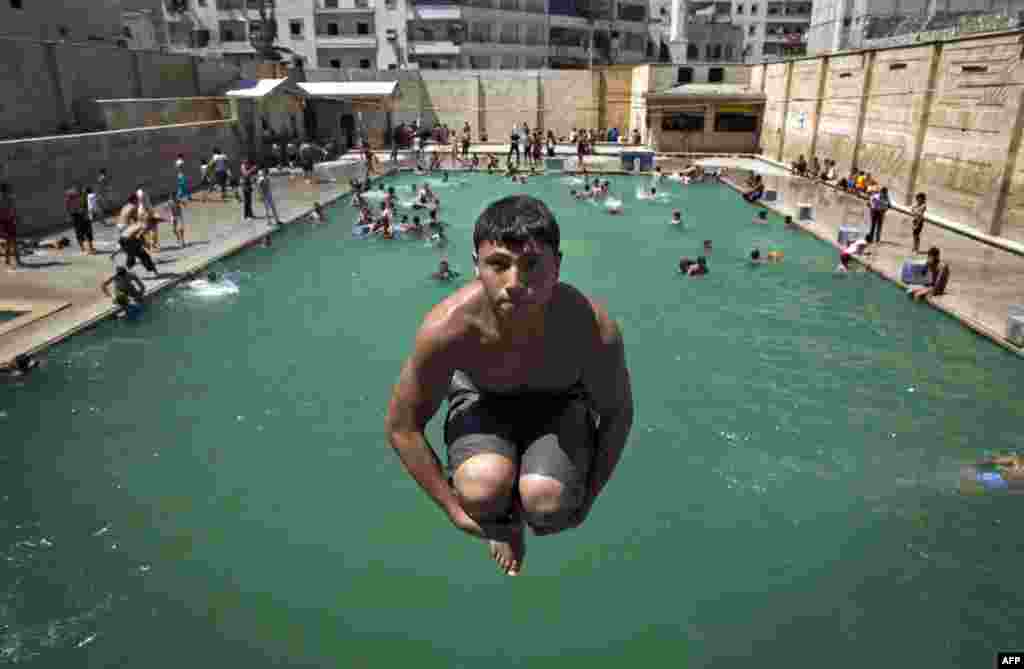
(8, 226)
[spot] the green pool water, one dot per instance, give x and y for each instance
(210, 486)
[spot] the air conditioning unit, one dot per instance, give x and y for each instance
(391, 34)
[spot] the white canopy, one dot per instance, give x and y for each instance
(347, 90)
(264, 87)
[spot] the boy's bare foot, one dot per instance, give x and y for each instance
(510, 553)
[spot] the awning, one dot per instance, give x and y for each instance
(258, 88)
(350, 90)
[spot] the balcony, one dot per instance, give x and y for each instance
(435, 48)
(345, 6)
(347, 41)
(446, 12)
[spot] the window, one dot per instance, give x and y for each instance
(752, 30)
(718, 52)
(707, 52)
(332, 29)
(364, 63)
(202, 3)
(295, 28)
(336, 63)
(685, 75)
(692, 52)
(735, 123)
(330, 4)
(753, 10)
(716, 75)
(389, 4)
(16, 4)
(728, 52)
(692, 121)
(632, 12)
(392, 66)
(362, 28)
(739, 9)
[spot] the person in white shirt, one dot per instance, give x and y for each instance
(92, 200)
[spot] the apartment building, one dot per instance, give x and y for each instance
(772, 29)
(518, 34)
(709, 32)
(430, 34)
(860, 24)
(66, 21)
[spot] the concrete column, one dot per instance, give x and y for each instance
(136, 75)
(1006, 174)
(60, 96)
(195, 76)
(481, 106)
(869, 66)
(922, 127)
(836, 42)
(539, 119)
(785, 109)
(816, 121)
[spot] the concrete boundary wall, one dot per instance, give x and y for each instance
(50, 87)
(40, 170)
(943, 118)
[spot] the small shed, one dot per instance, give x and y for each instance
(705, 118)
(271, 109)
(352, 112)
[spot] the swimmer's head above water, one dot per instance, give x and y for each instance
(212, 277)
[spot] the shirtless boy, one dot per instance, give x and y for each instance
(527, 363)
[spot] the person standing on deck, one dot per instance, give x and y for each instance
(540, 400)
(9, 226)
(267, 195)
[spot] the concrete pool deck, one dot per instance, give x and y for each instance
(59, 291)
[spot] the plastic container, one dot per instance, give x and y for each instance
(1015, 325)
(914, 272)
(849, 234)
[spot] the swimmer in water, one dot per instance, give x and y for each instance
(21, 366)
(1004, 473)
(564, 411)
(790, 223)
(699, 268)
(755, 257)
(677, 217)
(444, 272)
(761, 218)
(707, 247)
(684, 265)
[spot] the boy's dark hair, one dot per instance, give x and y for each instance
(416, 219)
(755, 254)
(516, 219)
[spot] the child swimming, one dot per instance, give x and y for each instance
(677, 217)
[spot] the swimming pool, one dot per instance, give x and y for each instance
(211, 485)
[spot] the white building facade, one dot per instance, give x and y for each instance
(770, 30)
(430, 34)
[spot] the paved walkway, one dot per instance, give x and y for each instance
(60, 290)
(985, 280)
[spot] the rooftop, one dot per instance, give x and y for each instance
(732, 91)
